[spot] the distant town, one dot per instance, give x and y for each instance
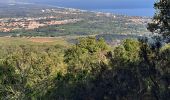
(82, 22)
(29, 23)
(11, 24)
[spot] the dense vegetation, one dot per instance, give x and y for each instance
(88, 70)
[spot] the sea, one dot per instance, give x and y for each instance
(148, 12)
(143, 12)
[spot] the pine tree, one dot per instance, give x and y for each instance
(161, 20)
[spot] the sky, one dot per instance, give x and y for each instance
(93, 4)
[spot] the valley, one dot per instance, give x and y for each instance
(30, 21)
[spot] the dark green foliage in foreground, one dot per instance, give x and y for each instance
(135, 70)
(89, 70)
(140, 73)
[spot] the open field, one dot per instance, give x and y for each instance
(65, 41)
(33, 41)
(41, 40)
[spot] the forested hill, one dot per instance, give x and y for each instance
(51, 68)
(40, 20)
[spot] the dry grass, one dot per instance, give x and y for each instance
(42, 39)
(33, 41)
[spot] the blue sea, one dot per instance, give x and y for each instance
(143, 12)
(129, 11)
(128, 7)
(148, 12)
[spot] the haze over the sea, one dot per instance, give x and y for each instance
(127, 7)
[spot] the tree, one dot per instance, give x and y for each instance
(85, 54)
(10, 83)
(161, 20)
(152, 55)
(153, 68)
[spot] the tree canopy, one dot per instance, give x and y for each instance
(161, 20)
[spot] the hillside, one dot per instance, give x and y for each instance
(54, 53)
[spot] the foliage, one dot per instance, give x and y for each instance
(89, 69)
(134, 70)
(161, 20)
(30, 69)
